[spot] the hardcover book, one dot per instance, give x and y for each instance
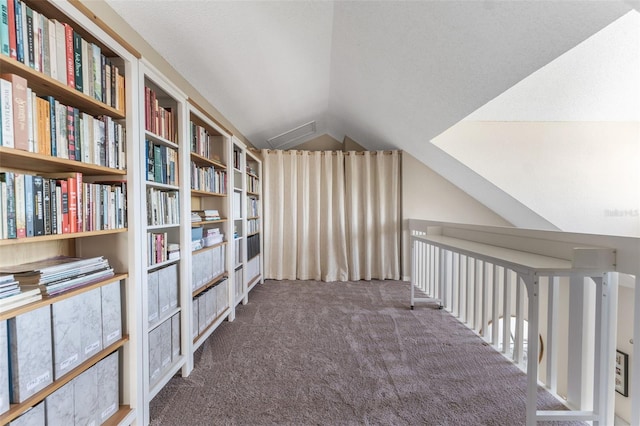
(153, 297)
(67, 333)
(175, 337)
(59, 406)
(85, 395)
(91, 320)
(6, 115)
(4, 368)
(19, 110)
(32, 417)
(111, 313)
(109, 397)
(30, 358)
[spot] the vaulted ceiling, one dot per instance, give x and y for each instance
(388, 74)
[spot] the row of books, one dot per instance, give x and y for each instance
(46, 126)
(55, 49)
(208, 179)
(12, 296)
(253, 206)
(209, 305)
(162, 163)
(253, 226)
(200, 140)
(60, 274)
(159, 120)
(237, 159)
(253, 246)
(163, 207)
(58, 203)
(159, 249)
(253, 184)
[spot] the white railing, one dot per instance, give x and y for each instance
(557, 288)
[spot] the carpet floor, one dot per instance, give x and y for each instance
(316, 353)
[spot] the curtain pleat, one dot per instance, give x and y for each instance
(331, 216)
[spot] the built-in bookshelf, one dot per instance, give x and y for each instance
(65, 139)
(161, 143)
(211, 230)
(253, 188)
(239, 233)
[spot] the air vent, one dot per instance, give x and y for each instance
(292, 135)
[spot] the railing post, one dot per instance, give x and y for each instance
(506, 312)
(477, 297)
(552, 334)
(412, 269)
(634, 391)
(605, 344)
(532, 286)
(495, 308)
(470, 297)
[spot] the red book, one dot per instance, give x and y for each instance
(65, 205)
(20, 119)
(71, 72)
(11, 11)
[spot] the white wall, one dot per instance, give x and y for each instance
(427, 195)
(580, 176)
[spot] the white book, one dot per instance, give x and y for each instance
(6, 98)
(36, 42)
(53, 49)
(61, 131)
(61, 52)
(97, 72)
(3, 210)
(35, 120)
(30, 105)
(86, 67)
(87, 137)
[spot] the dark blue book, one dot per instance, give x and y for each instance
(77, 60)
(8, 178)
(29, 54)
(19, 32)
(38, 204)
(29, 204)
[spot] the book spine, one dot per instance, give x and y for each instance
(97, 72)
(77, 128)
(46, 205)
(29, 54)
(61, 131)
(77, 61)
(32, 130)
(79, 202)
(55, 202)
(53, 50)
(71, 134)
(19, 109)
(11, 226)
(11, 12)
(39, 215)
(61, 52)
(103, 78)
(19, 31)
(64, 204)
(21, 226)
(53, 145)
(46, 49)
(6, 97)
(70, 61)
(72, 204)
(4, 28)
(37, 65)
(29, 209)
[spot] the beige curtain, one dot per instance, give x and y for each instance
(321, 210)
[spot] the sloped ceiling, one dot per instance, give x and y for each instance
(388, 74)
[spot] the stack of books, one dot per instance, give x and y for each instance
(10, 295)
(205, 215)
(60, 274)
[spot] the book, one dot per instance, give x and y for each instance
(11, 16)
(19, 32)
(38, 204)
(29, 53)
(53, 49)
(77, 61)
(70, 61)
(4, 28)
(19, 110)
(21, 225)
(46, 205)
(6, 113)
(28, 204)
(61, 51)
(71, 134)
(8, 180)
(20, 299)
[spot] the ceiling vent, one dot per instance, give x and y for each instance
(292, 135)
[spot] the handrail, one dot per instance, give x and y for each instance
(481, 274)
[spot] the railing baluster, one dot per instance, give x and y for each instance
(471, 262)
(506, 312)
(519, 336)
(635, 360)
(485, 300)
(477, 294)
(552, 334)
(495, 308)
(455, 280)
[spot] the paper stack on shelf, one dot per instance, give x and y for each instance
(205, 215)
(59, 274)
(12, 297)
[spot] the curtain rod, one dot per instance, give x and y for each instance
(331, 152)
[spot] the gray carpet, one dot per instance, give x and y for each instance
(311, 353)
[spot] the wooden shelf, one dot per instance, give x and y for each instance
(17, 409)
(159, 185)
(161, 264)
(119, 416)
(212, 283)
(13, 241)
(42, 85)
(207, 331)
(160, 140)
(208, 222)
(203, 249)
(253, 218)
(198, 193)
(11, 158)
(250, 234)
(48, 300)
(199, 159)
(256, 194)
(253, 175)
